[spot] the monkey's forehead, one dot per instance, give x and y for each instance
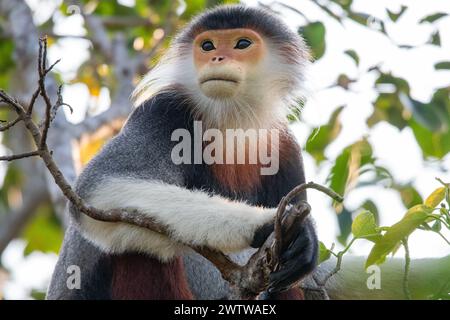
(228, 34)
(238, 17)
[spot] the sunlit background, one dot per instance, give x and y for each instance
(344, 75)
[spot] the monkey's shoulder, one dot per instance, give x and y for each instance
(142, 149)
(163, 112)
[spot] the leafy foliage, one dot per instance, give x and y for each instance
(314, 35)
(431, 215)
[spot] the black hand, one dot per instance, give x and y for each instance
(297, 260)
(264, 231)
(261, 235)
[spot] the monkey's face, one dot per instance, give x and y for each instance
(227, 60)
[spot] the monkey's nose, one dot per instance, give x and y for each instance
(218, 59)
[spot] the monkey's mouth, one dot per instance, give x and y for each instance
(218, 86)
(219, 79)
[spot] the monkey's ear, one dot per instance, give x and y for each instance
(261, 235)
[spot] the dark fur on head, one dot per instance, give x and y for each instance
(238, 16)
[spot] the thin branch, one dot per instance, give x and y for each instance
(20, 156)
(443, 237)
(339, 257)
(48, 105)
(10, 124)
(51, 67)
(58, 104)
(406, 290)
(33, 100)
(442, 182)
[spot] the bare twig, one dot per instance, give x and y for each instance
(10, 124)
(20, 156)
(42, 73)
(442, 182)
(33, 100)
(406, 290)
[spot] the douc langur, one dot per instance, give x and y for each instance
(231, 68)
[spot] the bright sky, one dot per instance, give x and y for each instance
(396, 150)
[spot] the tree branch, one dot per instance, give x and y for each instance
(19, 156)
(10, 124)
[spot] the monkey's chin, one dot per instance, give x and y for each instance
(219, 89)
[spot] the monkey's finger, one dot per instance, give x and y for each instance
(304, 237)
(296, 247)
(283, 279)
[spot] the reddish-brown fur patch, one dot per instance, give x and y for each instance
(237, 177)
(246, 177)
(140, 277)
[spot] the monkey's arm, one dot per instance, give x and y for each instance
(193, 217)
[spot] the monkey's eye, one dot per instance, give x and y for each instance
(207, 45)
(242, 44)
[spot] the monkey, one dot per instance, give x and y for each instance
(232, 67)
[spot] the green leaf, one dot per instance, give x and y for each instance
(435, 39)
(430, 115)
(395, 16)
(400, 84)
(322, 136)
(369, 205)
(409, 195)
(324, 253)
(44, 232)
(368, 20)
(364, 226)
(314, 35)
(345, 4)
(347, 165)
(345, 225)
(382, 177)
(344, 81)
(433, 144)
(413, 218)
(437, 225)
(38, 295)
(436, 197)
(388, 105)
(352, 54)
(444, 65)
(359, 17)
(433, 17)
